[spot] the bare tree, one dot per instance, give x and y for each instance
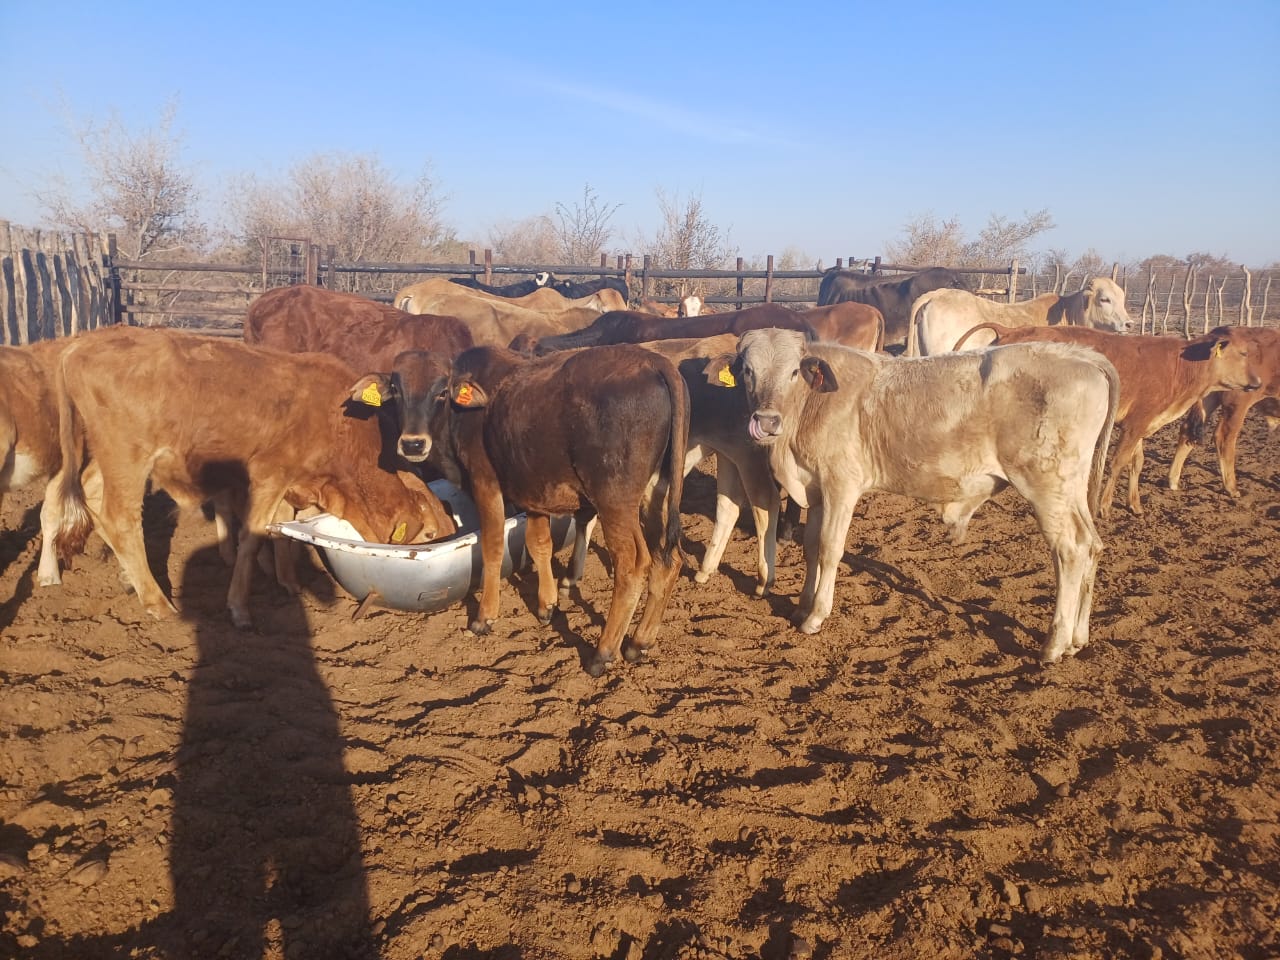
(349, 202)
(137, 188)
(687, 240)
(583, 229)
(930, 242)
(534, 240)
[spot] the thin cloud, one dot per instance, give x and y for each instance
(672, 118)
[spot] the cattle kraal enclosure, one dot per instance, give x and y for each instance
(345, 781)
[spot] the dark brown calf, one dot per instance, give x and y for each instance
(598, 432)
(634, 326)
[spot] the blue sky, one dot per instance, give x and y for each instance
(1143, 128)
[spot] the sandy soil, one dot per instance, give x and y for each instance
(909, 783)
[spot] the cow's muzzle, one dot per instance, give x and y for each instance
(415, 449)
(764, 426)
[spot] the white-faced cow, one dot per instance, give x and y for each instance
(202, 418)
(951, 430)
(941, 317)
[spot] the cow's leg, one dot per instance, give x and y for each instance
(537, 540)
(729, 499)
(663, 574)
(834, 530)
(1225, 438)
(118, 520)
(1135, 475)
(762, 495)
(584, 525)
(812, 560)
(285, 552)
(1119, 462)
(624, 538)
(224, 525)
(488, 499)
(1076, 547)
(1180, 455)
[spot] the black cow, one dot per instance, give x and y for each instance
(576, 291)
(892, 296)
(520, 289)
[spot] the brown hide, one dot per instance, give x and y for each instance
(576, 433)
(1160, 379)
(852, 324)
(363, 333)
(634, 326)
(203, 418)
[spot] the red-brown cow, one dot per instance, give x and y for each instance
(29, 451)
(1160, 378)
(635, 326)
(1235, 406)
(602, 431)
(202, 418)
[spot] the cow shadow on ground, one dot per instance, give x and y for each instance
(13, 544)
(265, 852)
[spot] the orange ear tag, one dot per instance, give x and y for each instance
(1218, 348)
(726, 377)
(370, 396)
(401, 529)
(464, 396)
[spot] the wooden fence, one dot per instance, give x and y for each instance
(54, 284)
(58, 284)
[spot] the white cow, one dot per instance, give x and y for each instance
(952, 430)
(939, 317)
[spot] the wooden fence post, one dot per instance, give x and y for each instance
(313, 265)
(627, 274)
(1013, 280)
(1246, 300)
(604, 264)
(471, 259)
(331, 275)
(114, 307)
(1188, 291)
(488, 266)
(644, 279)
(768, 279)
(738, 305)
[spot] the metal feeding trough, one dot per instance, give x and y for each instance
(420, 577)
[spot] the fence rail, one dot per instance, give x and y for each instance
(58, 284)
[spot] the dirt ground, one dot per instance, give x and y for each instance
(909, 783)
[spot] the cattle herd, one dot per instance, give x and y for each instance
(557, 399)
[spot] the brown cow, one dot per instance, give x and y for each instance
(848, 323)
(363, 333)
(1160, 378)
(202, 418)
(1235, 406)
(29, 450)
(602, 431)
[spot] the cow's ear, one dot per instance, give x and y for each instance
(721, 371)
(373, 390)
(468, 394)
(817, 373)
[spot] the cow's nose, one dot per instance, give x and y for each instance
(765, 424)
(413, 446)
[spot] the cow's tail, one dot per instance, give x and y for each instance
(879, 332)
(996, 328)
(76, 523)
(677, 446)
(913, 326)
(1103, 445)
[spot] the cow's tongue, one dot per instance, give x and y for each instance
(753, 428)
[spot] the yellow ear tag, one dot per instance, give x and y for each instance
(1218, 348)
(401, 529)
(370, 396)
(463, 397)
(727, 378)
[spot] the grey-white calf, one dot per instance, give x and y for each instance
(952, 430)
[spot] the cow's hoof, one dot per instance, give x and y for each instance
(595, 665)
(761, 589)
(810, 624)
(480, 628)
(633, 654)
(701, 577)
(55, 581)
(242, 619)
(545, 615)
